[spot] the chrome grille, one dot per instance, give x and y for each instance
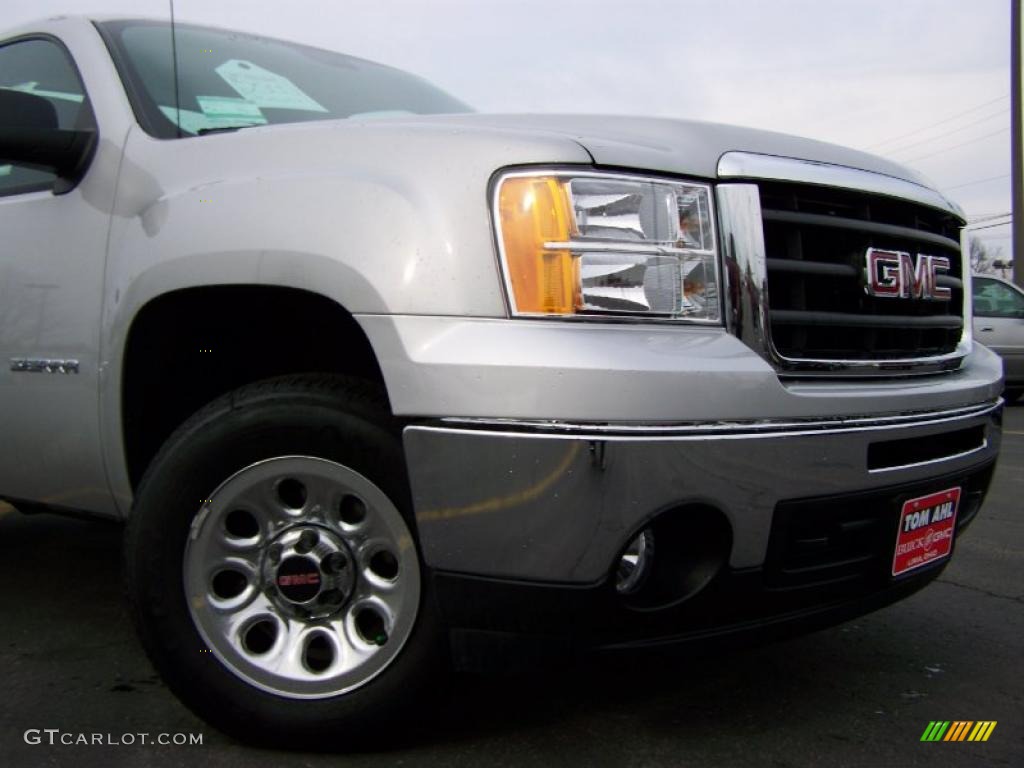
(816, 238)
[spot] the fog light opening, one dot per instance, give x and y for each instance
(635, 563)
(694, 543)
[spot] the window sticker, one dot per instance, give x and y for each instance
(227, 106)
(5, 170)
(194, 122)
(264, 88)
(32, 88)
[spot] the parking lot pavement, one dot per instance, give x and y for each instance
(860, 694)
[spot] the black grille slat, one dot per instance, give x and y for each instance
(818, 220)
(812, 268)
(816, 240)
(843, 320)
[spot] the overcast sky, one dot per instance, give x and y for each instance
(925, 82)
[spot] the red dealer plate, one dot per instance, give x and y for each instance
(926, 530)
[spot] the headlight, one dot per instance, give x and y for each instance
(606, 244)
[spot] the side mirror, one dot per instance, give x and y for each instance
(30, 135)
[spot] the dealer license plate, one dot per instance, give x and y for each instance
(925, 533)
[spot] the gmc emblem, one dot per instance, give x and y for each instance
(298, 579)
(896, 275)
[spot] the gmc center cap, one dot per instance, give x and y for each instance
(298, 579)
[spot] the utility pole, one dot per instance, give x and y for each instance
(1016, 149)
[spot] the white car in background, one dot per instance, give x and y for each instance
(999, 325)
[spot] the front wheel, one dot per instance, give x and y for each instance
(272, 571)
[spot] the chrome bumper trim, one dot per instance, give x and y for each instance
(711, 430)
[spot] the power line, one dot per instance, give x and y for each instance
(993, 217)
(978, 181)
(947, 133)
(941, 122)
(990, 226)
(957, 146)
(974, 228)
(988, 217)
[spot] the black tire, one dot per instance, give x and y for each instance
(341, 420)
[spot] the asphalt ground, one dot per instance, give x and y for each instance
(860, 694)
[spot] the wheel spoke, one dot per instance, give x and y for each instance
(232, 623)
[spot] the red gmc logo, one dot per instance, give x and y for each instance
(298, 579)
(895, 274)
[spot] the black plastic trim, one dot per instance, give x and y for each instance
(812, 267)
(850, 320)
(871, 227)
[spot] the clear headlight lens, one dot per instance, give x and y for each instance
(606, 244)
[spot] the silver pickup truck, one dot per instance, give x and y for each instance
(379, 383)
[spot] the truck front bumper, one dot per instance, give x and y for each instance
(537, 450)
(523, 529)
(559, 503)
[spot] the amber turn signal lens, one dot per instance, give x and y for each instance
(535, 211)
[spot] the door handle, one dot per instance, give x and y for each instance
(986, 328)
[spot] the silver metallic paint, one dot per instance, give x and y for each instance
(630, 373)
(678, 147)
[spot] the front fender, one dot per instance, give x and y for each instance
(380, 219)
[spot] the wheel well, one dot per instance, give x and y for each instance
(188, 347)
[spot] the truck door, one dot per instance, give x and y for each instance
(52, 254)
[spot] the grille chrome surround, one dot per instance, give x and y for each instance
(747, 165)
(853, 211)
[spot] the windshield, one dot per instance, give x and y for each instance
(231, 79)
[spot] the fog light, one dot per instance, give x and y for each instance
(635, 563)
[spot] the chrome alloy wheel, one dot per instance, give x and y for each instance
(302, 577)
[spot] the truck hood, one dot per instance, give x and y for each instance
(684, 147)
